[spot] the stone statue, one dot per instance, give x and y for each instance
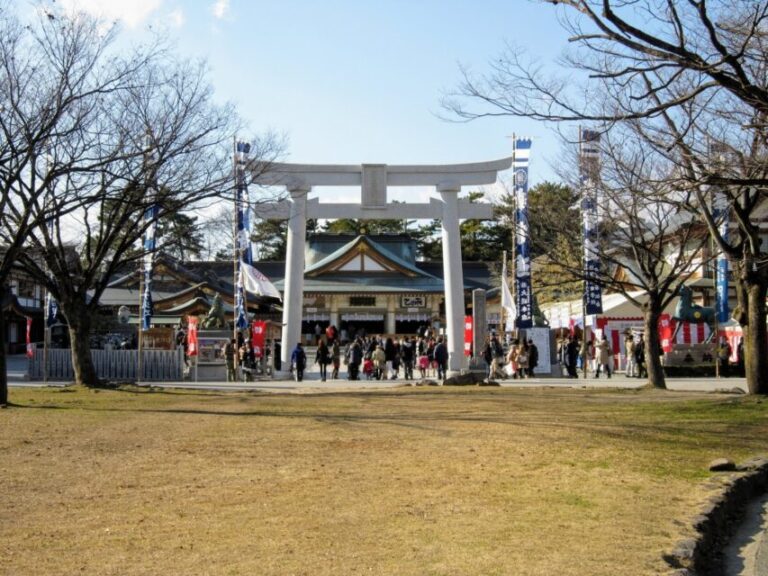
(215, 316)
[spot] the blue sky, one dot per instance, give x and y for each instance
(355, 81)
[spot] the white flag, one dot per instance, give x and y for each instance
(507, 302)
(256, 283)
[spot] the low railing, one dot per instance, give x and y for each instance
(156, 365)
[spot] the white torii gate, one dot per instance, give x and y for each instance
(374, 179)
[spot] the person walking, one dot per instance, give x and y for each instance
(572, 357)
(335, 358)
(379, 358)
(629, 347)
(514, 351)
(407, 355)
(603, 357)
(640, 357)
(523, 359)
(354, 359)
(229, 358)
(390, 353)
(533, 357)
(298, 361)
(487, 354)
(440, 355)
(723, 358)
(323, 358)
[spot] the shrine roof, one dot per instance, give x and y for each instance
(364, 246)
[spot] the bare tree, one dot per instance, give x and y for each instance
(648, 244)
(50, 74)
(155, 140)
(682, 75)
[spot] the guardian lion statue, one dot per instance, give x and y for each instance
(215, 316)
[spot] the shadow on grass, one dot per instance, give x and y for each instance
(550, 417)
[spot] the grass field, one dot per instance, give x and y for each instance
(402, 482)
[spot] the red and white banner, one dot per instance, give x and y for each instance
(30, 348)
(467, 335)
(192, 343)
(258, 336)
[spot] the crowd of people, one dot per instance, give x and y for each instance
(409, 357)
(519, 361)
(598, 356)
(376, 357)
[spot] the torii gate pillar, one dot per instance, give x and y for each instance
(294, 266)
(374, 180)
(453, 277)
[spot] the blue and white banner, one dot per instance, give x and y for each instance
(51, 306)
(507, 302)
(242, 241)
(51, 311)
(150, 239)
(589, 158)
(523, 289)
(720, 213)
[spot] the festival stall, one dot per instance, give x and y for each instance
(622, 316)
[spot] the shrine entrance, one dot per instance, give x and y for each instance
(374, 180)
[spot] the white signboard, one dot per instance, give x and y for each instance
(540, 337)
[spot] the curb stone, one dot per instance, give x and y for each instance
(717, 520)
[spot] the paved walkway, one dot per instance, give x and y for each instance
(747, 554)
(312, 382)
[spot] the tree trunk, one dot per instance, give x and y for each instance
(3, 364)
(79, 320)
(653, 347)
(756, 340)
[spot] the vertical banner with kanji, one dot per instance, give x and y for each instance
(721, 158)
(30, 348)
(523, 290)
(192, 342)
(666, 330)
(258, 336)
(467, 335)
(720, 213)
(589, 158)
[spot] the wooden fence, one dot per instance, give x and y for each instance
(156, 365)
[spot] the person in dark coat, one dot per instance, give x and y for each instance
(642, 371)
(572, 357)
(323, 358)
(354, 359)
(299, 361)
(407, 355)
(533, 357)
(440, 355)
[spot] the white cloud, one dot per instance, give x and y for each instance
(220, 8)
(131, 13)
(177, 18)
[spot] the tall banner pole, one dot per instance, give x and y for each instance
(589, 167)
(46, 336)
(503, 281)
(715, 324)
(146, 309)
(51, 305)
(139, 327)
(523, 284)
(721, 214)
(235, 238)
(241, 240)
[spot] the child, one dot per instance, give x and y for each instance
(368, 368)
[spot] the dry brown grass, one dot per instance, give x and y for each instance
(406, 482)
